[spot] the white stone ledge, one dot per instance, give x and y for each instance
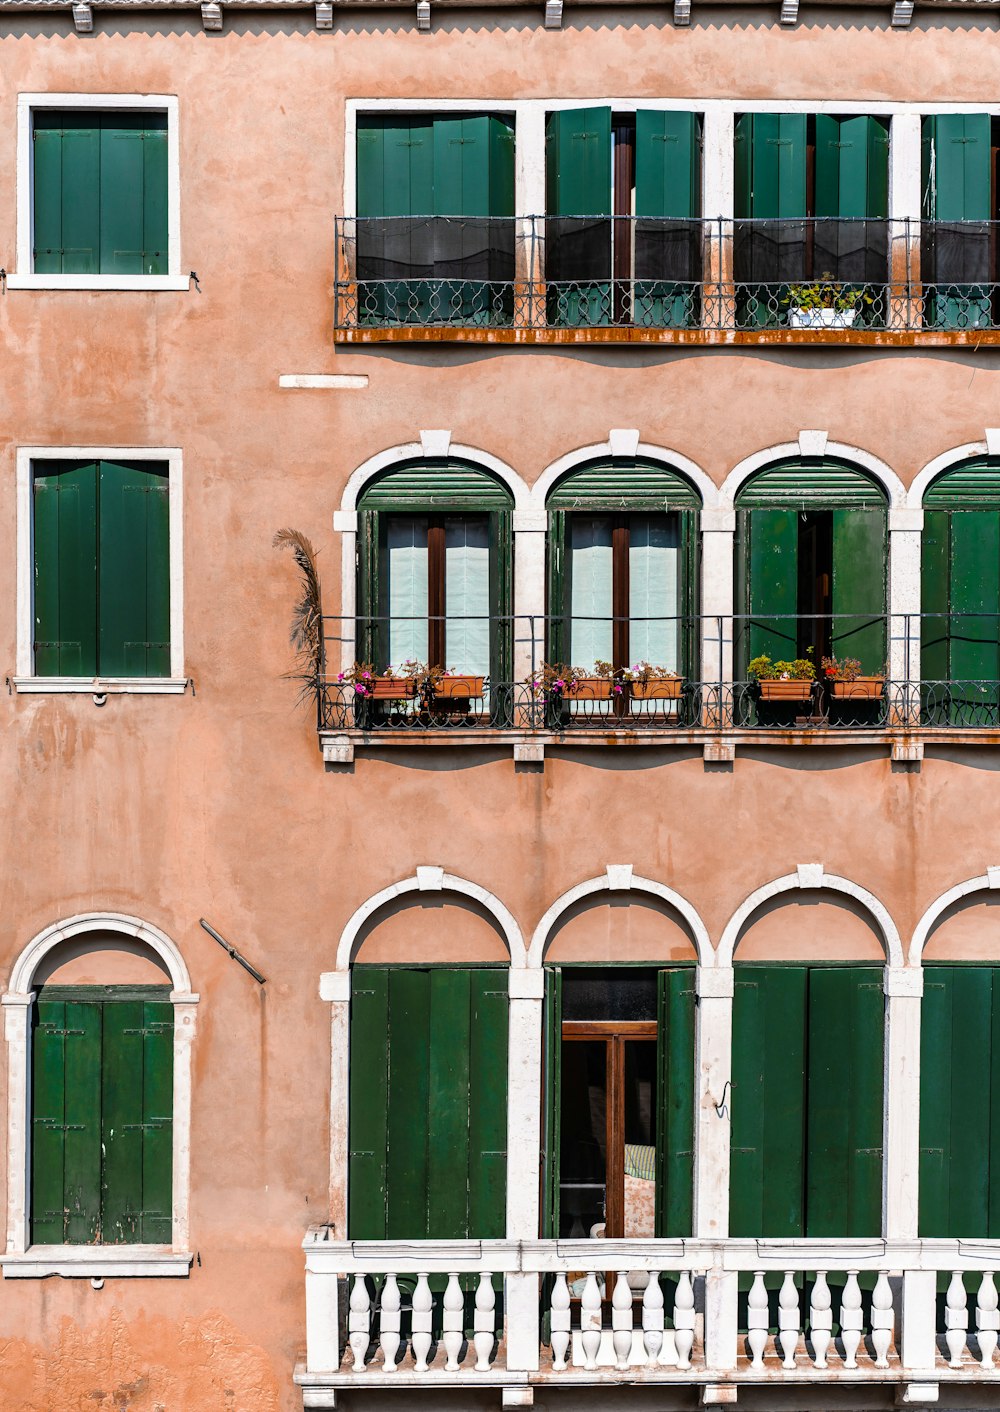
(89, 1262)
(101, 686)
(96, 283)
(333, 382)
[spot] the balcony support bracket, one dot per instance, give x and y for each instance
(517, 1397)
(718, 1394)
(917, 1394)
(908, 751)
(338, 750)
(529, 752)
(720, 752)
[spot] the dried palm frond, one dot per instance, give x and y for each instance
(306, 634)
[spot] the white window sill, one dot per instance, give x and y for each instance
(97, 282)
(102, 686)
(95, 1262)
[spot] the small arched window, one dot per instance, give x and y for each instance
(623, 555)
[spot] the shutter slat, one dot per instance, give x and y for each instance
(972, 485)
(824, 485)
(624, 484)
(431, 484)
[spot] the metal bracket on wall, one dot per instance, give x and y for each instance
(233, 952)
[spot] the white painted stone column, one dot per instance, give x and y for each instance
(529, 594)
(526, 988)
(718, 532)
(529, 201)
(717, 184)
(345, 523)
(185, 1021)
(918, 1347)
(335, 987)
(713, 1069)
(904, 215)
(17, 1031)
(322, 1321)
(904, 988)
(905, 529)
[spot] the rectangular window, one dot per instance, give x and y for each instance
(100, 192)
(102, 1116)
(100, 569)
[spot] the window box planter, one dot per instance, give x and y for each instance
(860, 689)
(794, 689)
(662, 689)
(590, 689)
(392, 689)
(821, 318)
(462, 688)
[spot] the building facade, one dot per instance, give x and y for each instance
(566, 971)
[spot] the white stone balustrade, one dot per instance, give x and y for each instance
(509, 1313)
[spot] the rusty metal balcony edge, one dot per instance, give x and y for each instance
(699, 338)
(502, 738)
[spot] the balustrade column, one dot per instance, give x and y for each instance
(904, 989)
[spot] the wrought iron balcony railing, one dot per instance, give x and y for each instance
(518, 276)
(894, 673)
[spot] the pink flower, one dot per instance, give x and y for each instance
(340, 676)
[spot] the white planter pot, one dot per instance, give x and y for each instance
(821, 318)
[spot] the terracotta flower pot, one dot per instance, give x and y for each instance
(392, 689)
(590, 689)
(465, 688)
(860, 689)
(658, 689)
(790, 689)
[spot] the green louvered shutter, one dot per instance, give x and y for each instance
(474, 179)
(958, 201)
(501, 610)
(770, 154)
(845, 1105)
(65, 518)
(428, 1104)
(552, 1107)
(395, 186)
(852, 201)
(668, 252)
(767, 1177)
(675, 1102)
(858, 590)
(137, 1121)
(959, 1137)
(66, 1122)
(134, 571)
(960, 577)
(67, 187)
(578, 225)
(769, 549)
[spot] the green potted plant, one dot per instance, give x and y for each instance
(844, 678)
(825, 303)
(783, 681)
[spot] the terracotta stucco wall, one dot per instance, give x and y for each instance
(216, 803)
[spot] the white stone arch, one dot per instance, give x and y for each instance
(17, 1001)
(813, 877)
(619, 878)
(925, 477)
(813, 444)
(432, 444)
(26, 966)
(624, 443)
(986, 882)
(433, 880)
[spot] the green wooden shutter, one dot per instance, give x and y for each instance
(155, 226)
(578, 206)
(935, 598)
(858, 592)
(768, 1102)
(960, 1020)
(66, 1123)
(552, 1102)
(137, 1121)
(473, 178)
(845, 1105)
(501, 608)
(157, 1122)
(122, 190)
(558, 589)
(958, 198)
(65, 570)
(668, 253)
(134, 571)
(675, 1102)
(428, 1104)
(852, 197)
(369, 1103)
(810, 485)
(770, 154)
(624, 484)
(67, 173)
(47, 147)
(771, 590)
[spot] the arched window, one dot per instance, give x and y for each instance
(623, 553)
(435, 569)
(811, 565)
(960, 595)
